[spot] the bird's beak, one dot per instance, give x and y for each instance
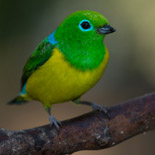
(106, 29)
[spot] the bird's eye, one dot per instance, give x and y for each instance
(85, 25)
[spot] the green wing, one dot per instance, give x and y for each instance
(42, 53)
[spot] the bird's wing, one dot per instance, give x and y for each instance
(41, 54)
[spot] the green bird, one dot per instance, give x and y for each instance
(67, 63)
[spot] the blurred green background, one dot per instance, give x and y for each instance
(130, 72)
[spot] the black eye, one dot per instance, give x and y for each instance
(85, 25)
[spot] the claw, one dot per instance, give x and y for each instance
(99, 108)
(93, 105)
(54, 122)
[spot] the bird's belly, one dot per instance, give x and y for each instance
(57, 81)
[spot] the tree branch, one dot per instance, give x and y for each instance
(92, 131)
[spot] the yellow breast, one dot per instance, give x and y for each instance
(57, 81)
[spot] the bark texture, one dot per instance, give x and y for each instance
(91, 131)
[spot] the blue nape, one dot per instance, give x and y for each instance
(51, 38)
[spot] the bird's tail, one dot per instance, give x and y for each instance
(18, 100)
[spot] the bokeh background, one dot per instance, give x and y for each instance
(130, 72)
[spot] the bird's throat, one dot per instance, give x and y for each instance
(84, 56)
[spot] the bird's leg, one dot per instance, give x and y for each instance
(52, 119)
(93, 105)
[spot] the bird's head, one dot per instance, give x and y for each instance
(80, 38)
(85, 26)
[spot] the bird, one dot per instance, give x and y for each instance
(67, 63)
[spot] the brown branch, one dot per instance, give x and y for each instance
(91, 131)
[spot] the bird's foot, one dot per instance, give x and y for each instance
(99, 108)
(93, 105)
(54, 122)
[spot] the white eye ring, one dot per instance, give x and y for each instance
(85, 25)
